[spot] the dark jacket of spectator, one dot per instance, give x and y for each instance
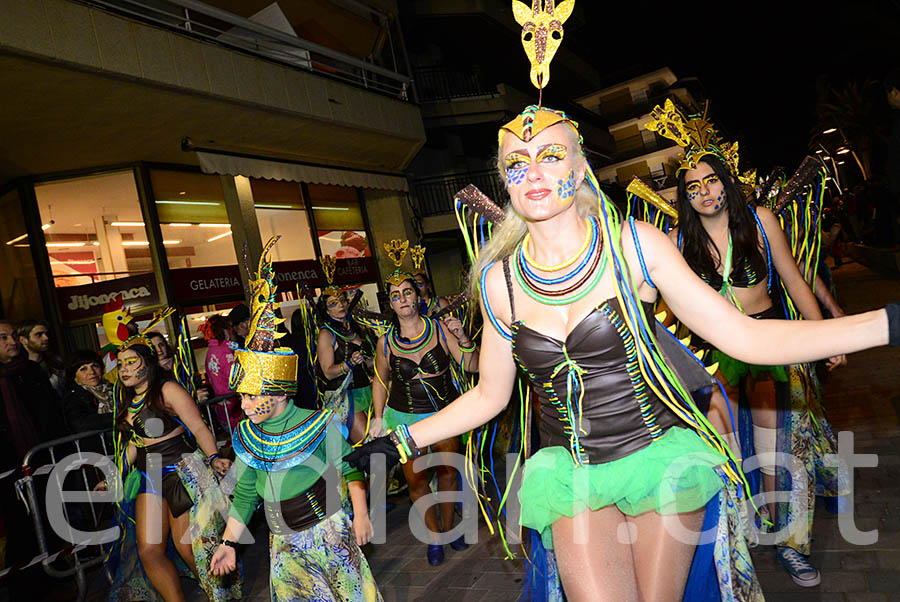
(80, 407)
(88, 400)
(31, 412)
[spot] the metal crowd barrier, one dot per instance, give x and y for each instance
(41, 460)
(81, 557)
(212, 419)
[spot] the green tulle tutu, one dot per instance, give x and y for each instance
(362, 398)
(671, 475)
(393, 418)
(733, 370)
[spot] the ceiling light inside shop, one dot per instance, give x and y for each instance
(46, 226)
(222, 235)
(128, 224)
(214, 225)
(207, 203)
(175, 225)
(66, 244)
(16, 239)
(258, 206)
(829, 131)
(331, 208)
(135, 243)
(171, 242)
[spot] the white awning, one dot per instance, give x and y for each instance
(295, 172)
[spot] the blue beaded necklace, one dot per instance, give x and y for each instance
(523, 260)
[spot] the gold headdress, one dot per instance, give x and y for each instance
(138, 339)
(329, 264)
(698, 137)
(542, 33)
(263, 368)
(418, 257)
(396, 250)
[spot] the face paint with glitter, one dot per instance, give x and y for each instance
(565, 189)
(516, 167)
(551, 153)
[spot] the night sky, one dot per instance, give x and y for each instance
(758, 61)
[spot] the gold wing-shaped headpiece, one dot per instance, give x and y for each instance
(696, 135)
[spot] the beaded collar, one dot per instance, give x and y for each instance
(276, 451)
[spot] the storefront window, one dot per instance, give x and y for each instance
(280, 210)
(94, 229)
(18, 284)
(341, 229)
(192, 216)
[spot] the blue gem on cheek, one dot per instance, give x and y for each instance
(515, 176)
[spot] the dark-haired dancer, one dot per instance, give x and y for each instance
(415, 380)
(742, 252)
(168, 455)
(344, 354)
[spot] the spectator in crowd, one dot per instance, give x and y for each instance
(30, 404)
(219, 359)
(29, 415)
(34, 337)
(164, 352)
(88, 400)
(166, 359)
(239, 317)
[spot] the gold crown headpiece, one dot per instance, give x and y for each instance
(534, 120)
(396, 250)
(264, 368)
(329, 265)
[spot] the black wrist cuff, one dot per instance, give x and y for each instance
(893, 313)
(230, 544)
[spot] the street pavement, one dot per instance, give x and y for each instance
(863, 397)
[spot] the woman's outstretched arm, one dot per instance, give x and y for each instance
(764, 342)
(497, 375)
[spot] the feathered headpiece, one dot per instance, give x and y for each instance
(264, 368)
(396, 250)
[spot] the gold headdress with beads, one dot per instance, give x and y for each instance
(264, 368)
(396, 250)
(698, 137)
(329, 264)
(417, 253)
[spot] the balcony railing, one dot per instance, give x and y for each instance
(437, 84)
(635, 146)
(435, 195)
(200, 20)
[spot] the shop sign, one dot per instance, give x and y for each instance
(87, 301)
(308, 272)
(192, 284)
(206, 283)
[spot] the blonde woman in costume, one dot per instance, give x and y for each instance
(600, 490)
